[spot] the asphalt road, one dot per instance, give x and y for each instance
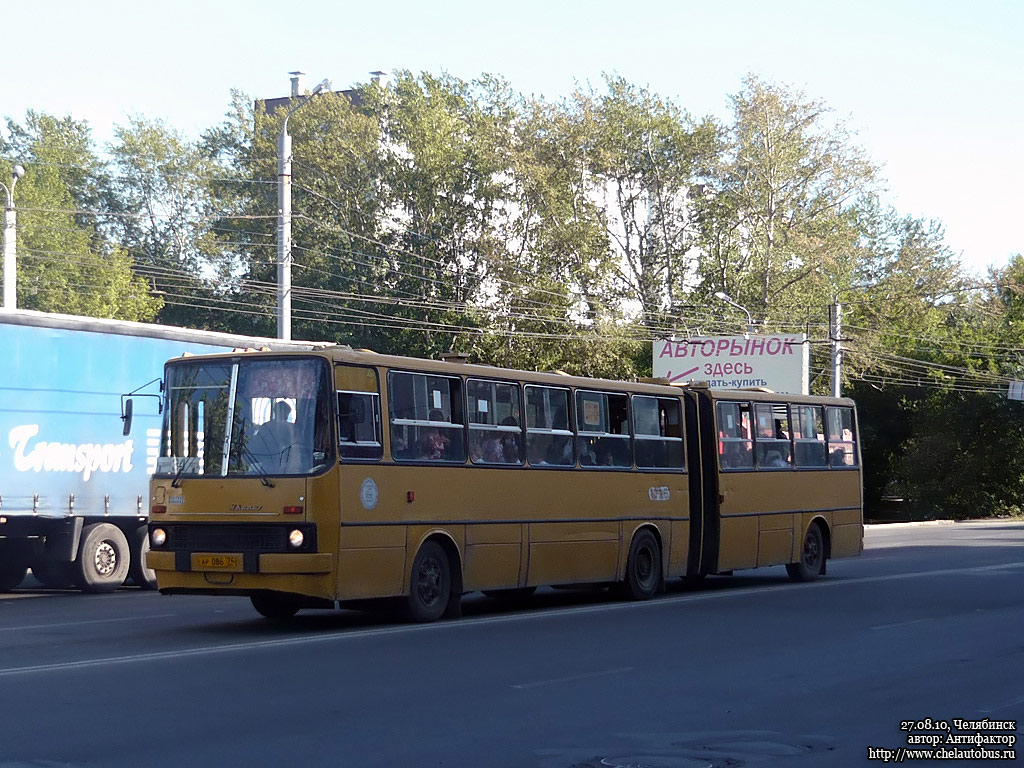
(749, 670)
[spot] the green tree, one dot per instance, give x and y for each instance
(64, 262)
(647, 156)
(778, 221)
(959, 460)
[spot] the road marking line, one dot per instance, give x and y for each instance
(1007, 705)
(904, 623)
(571, 678)
(90, 621)
(23, 595)
(471, 622)
(202, 651)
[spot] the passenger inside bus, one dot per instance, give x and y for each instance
(486, 449)
(434, 444)
(509, 442)
(538, 448)
(736, 454)
(274, 442)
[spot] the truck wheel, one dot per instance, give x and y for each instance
(53, 574)
(141, 576)
(103, 558)
(12, 572)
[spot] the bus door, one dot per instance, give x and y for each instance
(371, 547)
(704, 521)
(742, 492)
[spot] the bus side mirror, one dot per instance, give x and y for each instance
(351, 408)
(127, 408)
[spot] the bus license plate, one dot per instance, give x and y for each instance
(219, 562)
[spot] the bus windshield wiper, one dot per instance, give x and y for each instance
(264, 476)
(176, 482)
(253, 461)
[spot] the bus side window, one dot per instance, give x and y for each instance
(735, 447)
(426, 415)
(549, 439)
(809, 433)
(495, 422)
(842, 445)
(359, 426)
(658, 435)
(773, 445)
(602, 420)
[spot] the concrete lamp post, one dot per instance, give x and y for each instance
(11, 241)
(284, 215)
(723, 296)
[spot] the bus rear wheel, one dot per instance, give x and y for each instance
(275, 607)
(430, 584)
(643, 568)
(812, 558)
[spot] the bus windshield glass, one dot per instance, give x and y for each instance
(246, 417)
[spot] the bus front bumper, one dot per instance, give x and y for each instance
(240, 562)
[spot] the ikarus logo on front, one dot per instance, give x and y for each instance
(31, 455)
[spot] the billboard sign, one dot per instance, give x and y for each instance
(779, 362)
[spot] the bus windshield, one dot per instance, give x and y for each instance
(246, 417)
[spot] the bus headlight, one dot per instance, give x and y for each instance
(158, 537)
(295, 538)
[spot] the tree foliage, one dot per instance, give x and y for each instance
(65, 264)
(438, 214)
(779, 230)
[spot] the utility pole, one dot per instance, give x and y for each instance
(835, 327)
(11, 242)
(284, 213)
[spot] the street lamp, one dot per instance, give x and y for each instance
(723, 296)
(11, 242)
(284, 220)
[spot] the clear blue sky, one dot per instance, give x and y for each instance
(934, 89)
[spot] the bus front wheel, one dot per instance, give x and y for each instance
(812, 558)
(643, 568)
(430, 584)
(275, 607)
(141, 576)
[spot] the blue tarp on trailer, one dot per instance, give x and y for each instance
(60, 426)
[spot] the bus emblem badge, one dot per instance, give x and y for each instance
(368, 493)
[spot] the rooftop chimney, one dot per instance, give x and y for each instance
(380, 78)
(298, 84)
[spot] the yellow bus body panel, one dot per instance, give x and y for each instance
(505, 526)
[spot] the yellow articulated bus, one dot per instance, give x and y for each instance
(308, 479)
